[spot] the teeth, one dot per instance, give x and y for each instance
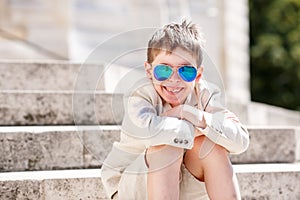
(173, 90)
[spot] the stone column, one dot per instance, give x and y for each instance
(208, 14)
(225, 27)
(236, 50)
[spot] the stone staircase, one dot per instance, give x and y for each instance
(53, 139)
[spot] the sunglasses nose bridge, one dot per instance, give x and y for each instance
(175, 76)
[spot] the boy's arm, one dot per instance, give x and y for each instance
(143, 123)
(217, 123)
(224, 129)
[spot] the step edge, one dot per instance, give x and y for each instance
(96, 173)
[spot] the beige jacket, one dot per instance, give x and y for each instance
(143, 126)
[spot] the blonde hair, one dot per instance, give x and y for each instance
(185, 35)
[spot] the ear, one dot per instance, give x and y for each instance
(199, 73)
(148, 69)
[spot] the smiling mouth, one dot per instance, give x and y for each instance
(173, 89)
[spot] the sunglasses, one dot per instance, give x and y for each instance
(163, 72)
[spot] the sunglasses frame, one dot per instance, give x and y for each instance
(177, 71)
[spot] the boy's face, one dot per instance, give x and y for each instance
(174, 90)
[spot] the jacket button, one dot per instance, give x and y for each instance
(180, 141)
(176, 140)
(186, 141)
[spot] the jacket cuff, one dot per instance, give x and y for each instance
(185, 135)
(213, 128)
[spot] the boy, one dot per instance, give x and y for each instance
(175, 135)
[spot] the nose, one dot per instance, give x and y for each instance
(174, 77)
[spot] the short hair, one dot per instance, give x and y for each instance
(185, 35)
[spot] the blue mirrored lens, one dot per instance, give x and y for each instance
(187, 73)
(162, 72)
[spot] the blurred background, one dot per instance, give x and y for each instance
(255, 44)
(275, 52)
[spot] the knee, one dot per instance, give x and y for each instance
(153, 149)
(164, 150)
(163, 155)
(206, 147)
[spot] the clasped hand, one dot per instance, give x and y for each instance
(188, 113)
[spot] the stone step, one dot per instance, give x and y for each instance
(37, 107)
(59, 108)
(26, 148)
(54, 75)
(49, 185)
(256, 181)
(269, 181)
(271, 144)
(48, 75)
(254, 113)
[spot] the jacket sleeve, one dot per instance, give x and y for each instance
(223, 127)
(143, 123)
